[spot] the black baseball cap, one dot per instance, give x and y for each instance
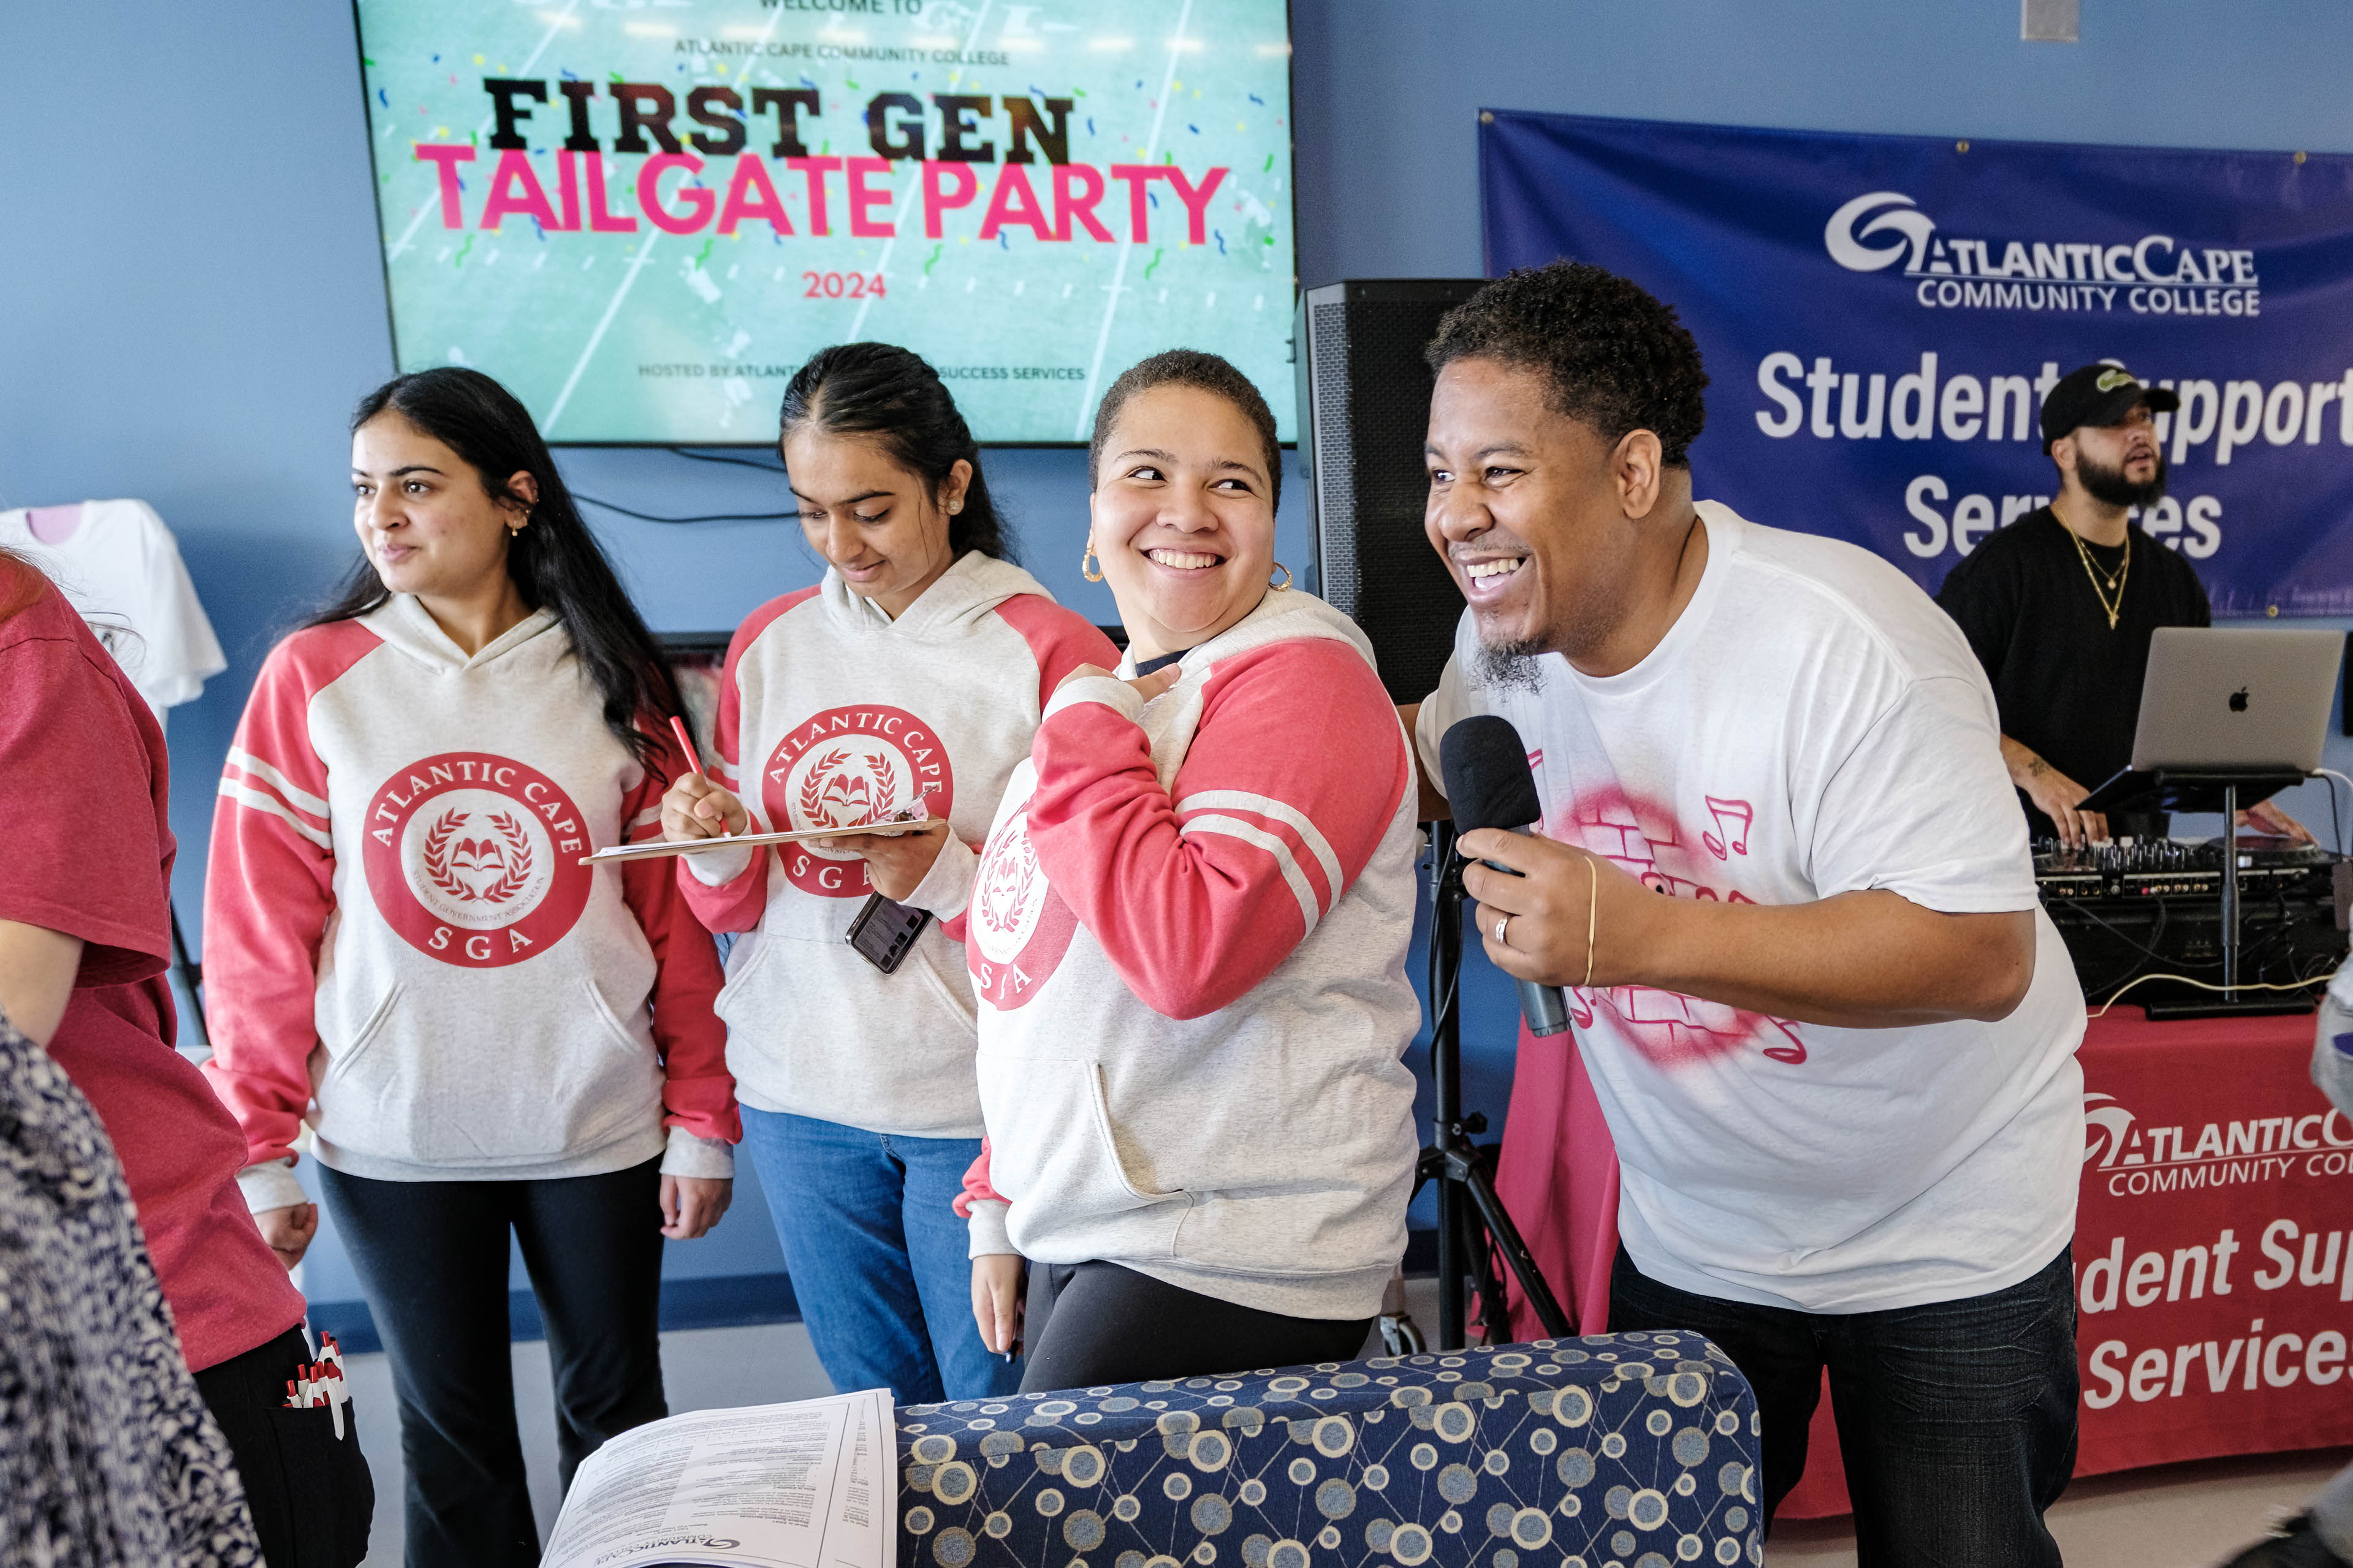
(2098, 395)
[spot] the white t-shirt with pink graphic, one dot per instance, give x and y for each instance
(1811, 725)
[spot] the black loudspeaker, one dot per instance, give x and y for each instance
(1363, 410)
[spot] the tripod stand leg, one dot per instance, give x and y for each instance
(1492, 1322)
(1516, 1256)
(192, 980)
(1446, 1072)
(1449, 1267)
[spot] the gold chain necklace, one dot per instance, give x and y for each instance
(2114, 607)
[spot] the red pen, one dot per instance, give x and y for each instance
(686, 744)
(693, 758)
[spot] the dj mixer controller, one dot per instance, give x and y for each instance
(2155, 907)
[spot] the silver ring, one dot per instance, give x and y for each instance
(1501, 922)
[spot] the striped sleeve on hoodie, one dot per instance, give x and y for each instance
(698, 1093)
(1060, 642)
(1198, 892)
(734, 902)
(268, 895)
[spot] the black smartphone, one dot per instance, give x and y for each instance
(884, 932)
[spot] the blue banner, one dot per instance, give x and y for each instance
(1881, 315)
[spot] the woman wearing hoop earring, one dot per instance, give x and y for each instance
(1093, 573)
(1188, 941)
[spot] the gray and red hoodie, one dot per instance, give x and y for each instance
(1188, 937)
(830, 713)
(397, 926)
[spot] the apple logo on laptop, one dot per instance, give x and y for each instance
(2239, 701)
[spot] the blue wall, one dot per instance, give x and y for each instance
(190, 298)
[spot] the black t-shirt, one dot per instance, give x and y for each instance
(2067, 686)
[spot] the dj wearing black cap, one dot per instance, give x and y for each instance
(2060, 606)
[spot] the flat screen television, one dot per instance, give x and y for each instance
(642, 215)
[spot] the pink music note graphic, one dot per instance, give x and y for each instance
(1738, 811)
(1794, 1053)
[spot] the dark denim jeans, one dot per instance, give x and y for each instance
(878, 1255)
(1957, 1420)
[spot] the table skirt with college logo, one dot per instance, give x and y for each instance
(2213, 1240)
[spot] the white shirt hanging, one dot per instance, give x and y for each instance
(122, 569)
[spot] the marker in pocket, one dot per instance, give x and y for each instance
(321, 1385)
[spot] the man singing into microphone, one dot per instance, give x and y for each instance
(1837, 1056)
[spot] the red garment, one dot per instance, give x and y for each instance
(84, 792)
(1194, 908)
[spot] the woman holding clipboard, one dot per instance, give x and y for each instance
(916, 671)
(498, 1040)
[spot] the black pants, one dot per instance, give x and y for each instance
(432, 1260)
(1089, 1323)
(1957, 1420)
(312, 1498)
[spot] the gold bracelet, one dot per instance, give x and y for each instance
(1592, 905)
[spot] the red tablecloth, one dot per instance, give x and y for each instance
(2210, 1240)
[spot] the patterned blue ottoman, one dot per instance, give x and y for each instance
(1609, 1451)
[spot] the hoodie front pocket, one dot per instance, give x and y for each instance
(1053, 1143)
(1107, 1135)
(939, 966)
(340, 1057)
(744, 961)
(610, 1083)
(450, 1078)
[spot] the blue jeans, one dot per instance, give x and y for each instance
(1957, 1420)
(878, 1255)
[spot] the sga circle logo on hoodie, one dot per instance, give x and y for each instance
(475, 858)
(1019, 928)
(843, 768)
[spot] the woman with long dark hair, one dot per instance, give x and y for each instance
(500, 1040)
(915, 672)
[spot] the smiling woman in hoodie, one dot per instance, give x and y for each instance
(403, 950)
(916, 671)
(1188, 939)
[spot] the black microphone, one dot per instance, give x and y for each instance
(1489, 785)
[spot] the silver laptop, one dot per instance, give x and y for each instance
(2228, 697)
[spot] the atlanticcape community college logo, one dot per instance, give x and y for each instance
(2133, 1160)
(1891, 213)
(2154, 275)
(844, 768)
(474, 859)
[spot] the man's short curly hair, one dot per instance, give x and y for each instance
(1617, 359)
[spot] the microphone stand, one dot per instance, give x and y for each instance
(1463, 1169)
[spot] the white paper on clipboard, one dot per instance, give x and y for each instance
(651, 848)
(805, 1485)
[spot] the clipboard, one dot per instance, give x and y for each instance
(652, 849)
